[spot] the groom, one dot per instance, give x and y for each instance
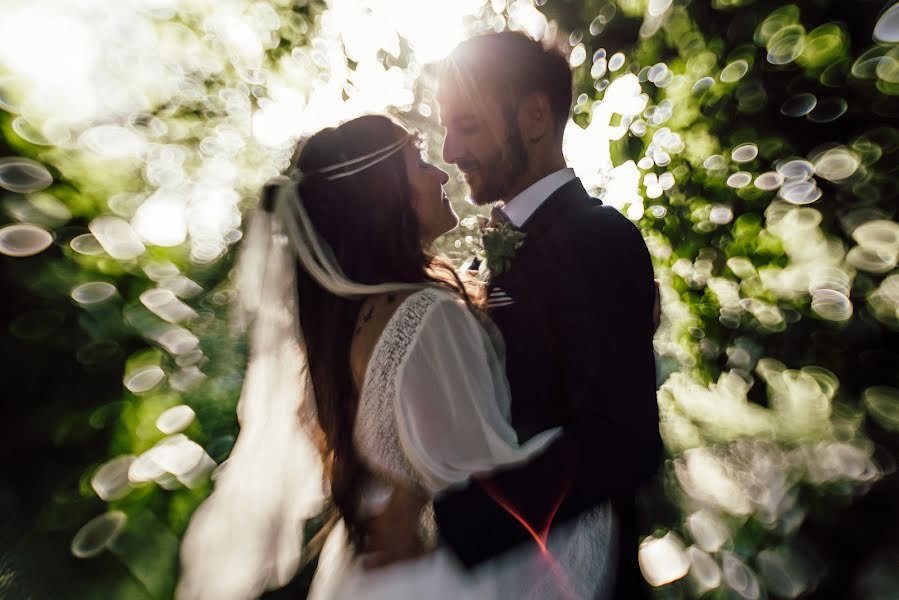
(574, 304)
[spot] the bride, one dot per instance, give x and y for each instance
(373, 369)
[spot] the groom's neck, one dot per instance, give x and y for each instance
(538, 168)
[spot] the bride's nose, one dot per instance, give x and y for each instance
(442, 175)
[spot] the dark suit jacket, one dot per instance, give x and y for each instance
(579, 354)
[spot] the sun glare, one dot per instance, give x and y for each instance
(105, 86)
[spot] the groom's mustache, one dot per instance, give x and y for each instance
(467, 165)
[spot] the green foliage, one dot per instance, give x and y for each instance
(749, 268)
(762, 164)
(67, 354)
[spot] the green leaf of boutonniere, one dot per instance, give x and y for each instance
(500, 243)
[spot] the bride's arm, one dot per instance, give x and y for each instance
(451, 409)
(452, 406)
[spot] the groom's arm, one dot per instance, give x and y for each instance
(611, 445)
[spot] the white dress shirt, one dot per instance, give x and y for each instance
(520, 208)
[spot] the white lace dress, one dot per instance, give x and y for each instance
(434, 409)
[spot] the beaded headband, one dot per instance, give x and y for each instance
(360, 163)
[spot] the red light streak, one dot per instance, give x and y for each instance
(539, 537)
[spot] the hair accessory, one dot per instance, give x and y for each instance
(363, 162)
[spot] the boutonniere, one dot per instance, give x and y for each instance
(491, 252)
(499, 244)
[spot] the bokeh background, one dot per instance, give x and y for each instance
(755, 143)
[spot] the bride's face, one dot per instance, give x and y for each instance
(435, 214)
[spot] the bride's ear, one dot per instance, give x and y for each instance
(535, 117)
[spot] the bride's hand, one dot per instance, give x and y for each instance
(394, 534)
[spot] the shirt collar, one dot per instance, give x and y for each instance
(520, 208)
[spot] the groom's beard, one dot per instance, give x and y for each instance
(502, 170)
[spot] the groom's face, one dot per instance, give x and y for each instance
(482, 140)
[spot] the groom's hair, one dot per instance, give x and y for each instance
(510, 65)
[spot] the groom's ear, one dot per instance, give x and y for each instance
(535, 118)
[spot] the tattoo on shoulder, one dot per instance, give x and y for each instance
(365, 319)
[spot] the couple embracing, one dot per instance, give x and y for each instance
(475, 440)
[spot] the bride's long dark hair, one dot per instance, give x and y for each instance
(369, 222)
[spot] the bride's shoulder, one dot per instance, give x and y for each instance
(442, 300)
(438, 295)
(385, 317)
(432, 312)
(414, 309)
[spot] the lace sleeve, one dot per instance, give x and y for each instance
(375, 432)
(452, 399)
(434, 403)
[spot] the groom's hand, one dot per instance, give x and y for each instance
(394, 534)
